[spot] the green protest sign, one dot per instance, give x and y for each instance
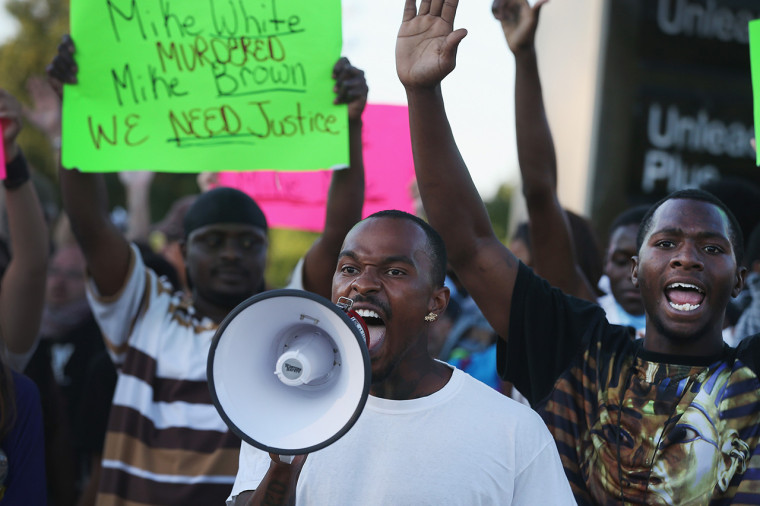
(204, 85)
(754, 54)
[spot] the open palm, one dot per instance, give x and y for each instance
(427, 43)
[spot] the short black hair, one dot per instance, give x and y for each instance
(735, 231)
(436, 246)
(631, 216)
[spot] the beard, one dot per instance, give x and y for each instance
(227, 300)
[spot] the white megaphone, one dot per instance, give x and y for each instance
(289, 371)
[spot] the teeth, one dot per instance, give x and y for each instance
(367, 313)
(685, 285)
(684, 307)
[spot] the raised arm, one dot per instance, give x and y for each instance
(346, 196)
(137, 188)
(425, 54)
(550, 230)
(85, 201)
(22, 291)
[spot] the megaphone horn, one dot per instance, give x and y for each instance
(289, 371)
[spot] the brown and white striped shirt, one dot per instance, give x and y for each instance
(166, 443)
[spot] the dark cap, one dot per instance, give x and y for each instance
(223, 205)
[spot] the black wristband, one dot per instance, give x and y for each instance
(16, 172)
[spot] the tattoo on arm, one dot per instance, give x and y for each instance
(276, 494)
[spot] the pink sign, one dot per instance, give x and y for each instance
(297, 199)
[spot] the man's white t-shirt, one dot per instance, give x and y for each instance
(463, 445)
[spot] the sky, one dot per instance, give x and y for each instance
(7, 24)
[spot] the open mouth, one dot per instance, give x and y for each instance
(375, 325)
(684, 296)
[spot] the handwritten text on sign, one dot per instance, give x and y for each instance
(299, 201)
(754, 51)
(204, 85)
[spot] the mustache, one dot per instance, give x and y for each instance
(371, 299)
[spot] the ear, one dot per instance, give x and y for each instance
(439, 300)
(635, 271)
(741, 274)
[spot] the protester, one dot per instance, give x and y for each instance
(70, 366)
(69, 339)
(474, 351)
(748, 322)
(670, 419)
(549, 226)
(622, 302)
(22, 291)
(551, 231)
(166, 443)
(23, 274)
(742, 197)
(429, 433)
(585, 244)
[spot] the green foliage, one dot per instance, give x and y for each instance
(498, 208)
(286, 247)
(42, 24)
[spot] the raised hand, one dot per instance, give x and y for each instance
(46, 112)
(350, 87)
(63, 69)
(207, 181)
(518, 21)
(10, 117)
(136, 178)
(427, 43)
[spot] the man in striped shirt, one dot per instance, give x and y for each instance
(166, 443)
(673, 418)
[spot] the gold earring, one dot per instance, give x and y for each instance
(431, 317)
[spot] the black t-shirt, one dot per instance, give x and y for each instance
(631, 425)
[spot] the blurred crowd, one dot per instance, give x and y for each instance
(83, 390)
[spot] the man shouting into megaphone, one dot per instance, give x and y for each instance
(415, 442)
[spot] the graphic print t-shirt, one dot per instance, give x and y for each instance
(634, 426)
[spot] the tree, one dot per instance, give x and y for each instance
(498, 208)
(42, 24)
